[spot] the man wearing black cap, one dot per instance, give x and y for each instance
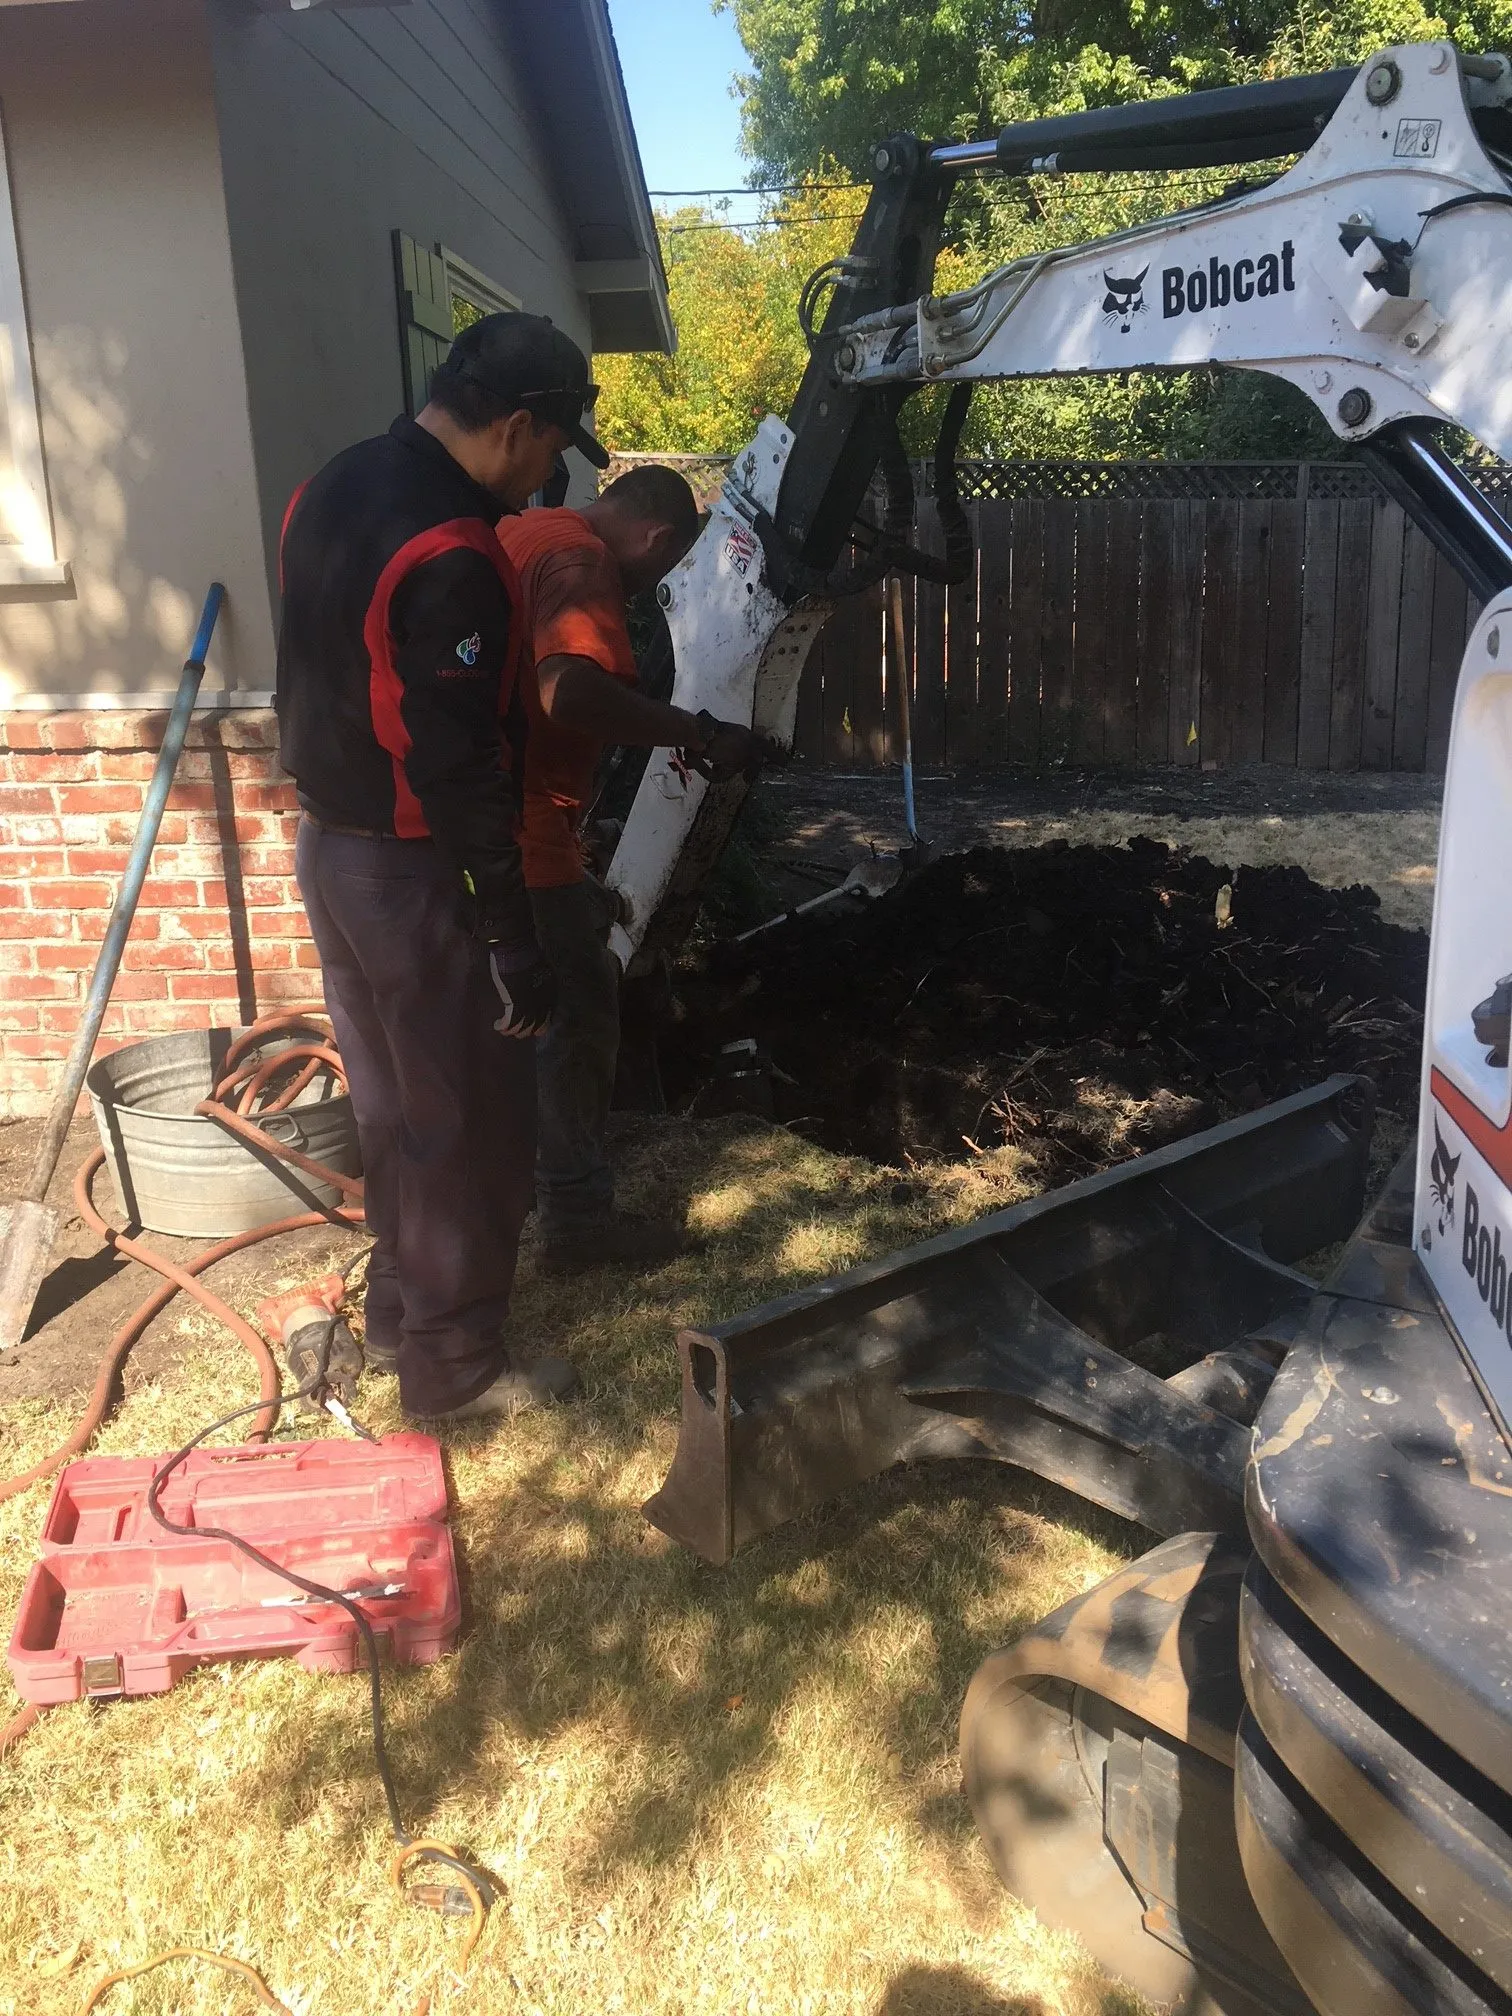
(401, 722)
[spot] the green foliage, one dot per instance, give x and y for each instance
(829, 77)
(740, 351)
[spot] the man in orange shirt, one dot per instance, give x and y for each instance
(576, 569)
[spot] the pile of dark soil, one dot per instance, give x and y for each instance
(1082, 1004)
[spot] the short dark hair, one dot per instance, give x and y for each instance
(471, 405)
(651, 490)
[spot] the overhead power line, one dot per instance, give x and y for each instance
(764, 223)
(765, 189)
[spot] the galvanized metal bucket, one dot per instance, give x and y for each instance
(177, 1172)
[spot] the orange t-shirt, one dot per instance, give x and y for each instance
(575, 608)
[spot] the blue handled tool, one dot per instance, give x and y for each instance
(28, 1225)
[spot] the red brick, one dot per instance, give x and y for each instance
(68, 957)
(247, 728)
(260, 958)
(179, 956)
(97, 860)
(272, 796)
(22, 732)
(34, 924)
(161, 1018)
(268, 861)
(130, 987)
(65, 894)
(12, 895)
(188, 864)
(257, 765)
(269, 892)
(306, 956)
(92, 924)
(126, 766)
(19, 958)
(277, 924)
(37, 987)
(99, 798)
(19, 799)
(68, 731)
(192, 798)
(23, 1078)
(128, 728)
(203, 986)
(297, 985)
(158, 894)
(29, 862)
(16, 1017)
(194, 924)
(32, 1046)
(74, 767)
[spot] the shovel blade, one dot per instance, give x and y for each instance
(26, 1237)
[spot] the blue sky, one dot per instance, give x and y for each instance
(678, 57)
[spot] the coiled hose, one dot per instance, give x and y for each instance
(313, 1047)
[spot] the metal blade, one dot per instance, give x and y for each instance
(26, 1237)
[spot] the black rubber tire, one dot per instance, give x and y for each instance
(1032, 1762)
(1037, 1797)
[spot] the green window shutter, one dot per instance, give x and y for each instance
(425, 316)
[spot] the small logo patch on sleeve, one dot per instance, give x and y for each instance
(469, 648)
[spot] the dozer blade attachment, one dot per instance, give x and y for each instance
(1007, 1339)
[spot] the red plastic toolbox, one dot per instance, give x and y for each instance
(116, 1605)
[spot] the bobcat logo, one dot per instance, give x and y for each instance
(1124, 300)
(1441, 1173)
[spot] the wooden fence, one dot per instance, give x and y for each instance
(1317, 630)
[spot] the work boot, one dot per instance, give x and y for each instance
(524, 1382)
(621, 1240)
(379, 1356)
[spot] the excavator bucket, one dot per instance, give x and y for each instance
(1115, 1337)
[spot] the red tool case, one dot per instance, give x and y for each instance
(115, 1605)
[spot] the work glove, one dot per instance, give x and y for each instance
(526, 987)
(729, 751)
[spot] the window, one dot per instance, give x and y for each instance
(28, 558)
(440, 294)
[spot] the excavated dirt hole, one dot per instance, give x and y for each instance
(1078, 1004)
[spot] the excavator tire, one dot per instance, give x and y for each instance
(1108, 1824)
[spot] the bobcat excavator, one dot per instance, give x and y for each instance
(1268, 1764)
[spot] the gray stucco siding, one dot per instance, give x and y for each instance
(337, 129)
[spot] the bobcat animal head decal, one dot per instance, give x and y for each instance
(1441, 1173)
(1124, 299)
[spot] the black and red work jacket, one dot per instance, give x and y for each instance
(397, 657)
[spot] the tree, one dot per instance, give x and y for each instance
(829, 77)
(740, 352)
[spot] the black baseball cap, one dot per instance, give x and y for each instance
(528, 361)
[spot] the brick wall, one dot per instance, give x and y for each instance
(219, 934)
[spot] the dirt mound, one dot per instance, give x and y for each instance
(1080, 1003)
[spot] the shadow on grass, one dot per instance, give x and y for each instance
(950, 1991)
(840, 1645)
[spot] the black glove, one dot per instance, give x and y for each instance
(526, 987)
(729, 750)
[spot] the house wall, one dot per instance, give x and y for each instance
(110, 127)
(338, 127)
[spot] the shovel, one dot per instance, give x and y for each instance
(28, 1225)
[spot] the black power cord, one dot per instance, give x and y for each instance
(473, 1879)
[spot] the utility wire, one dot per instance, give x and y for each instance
(765, 223)
(765, 189)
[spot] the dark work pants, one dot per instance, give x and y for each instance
(445, 1106)
(576, 1057)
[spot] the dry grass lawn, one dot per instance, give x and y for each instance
(724, 1791)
